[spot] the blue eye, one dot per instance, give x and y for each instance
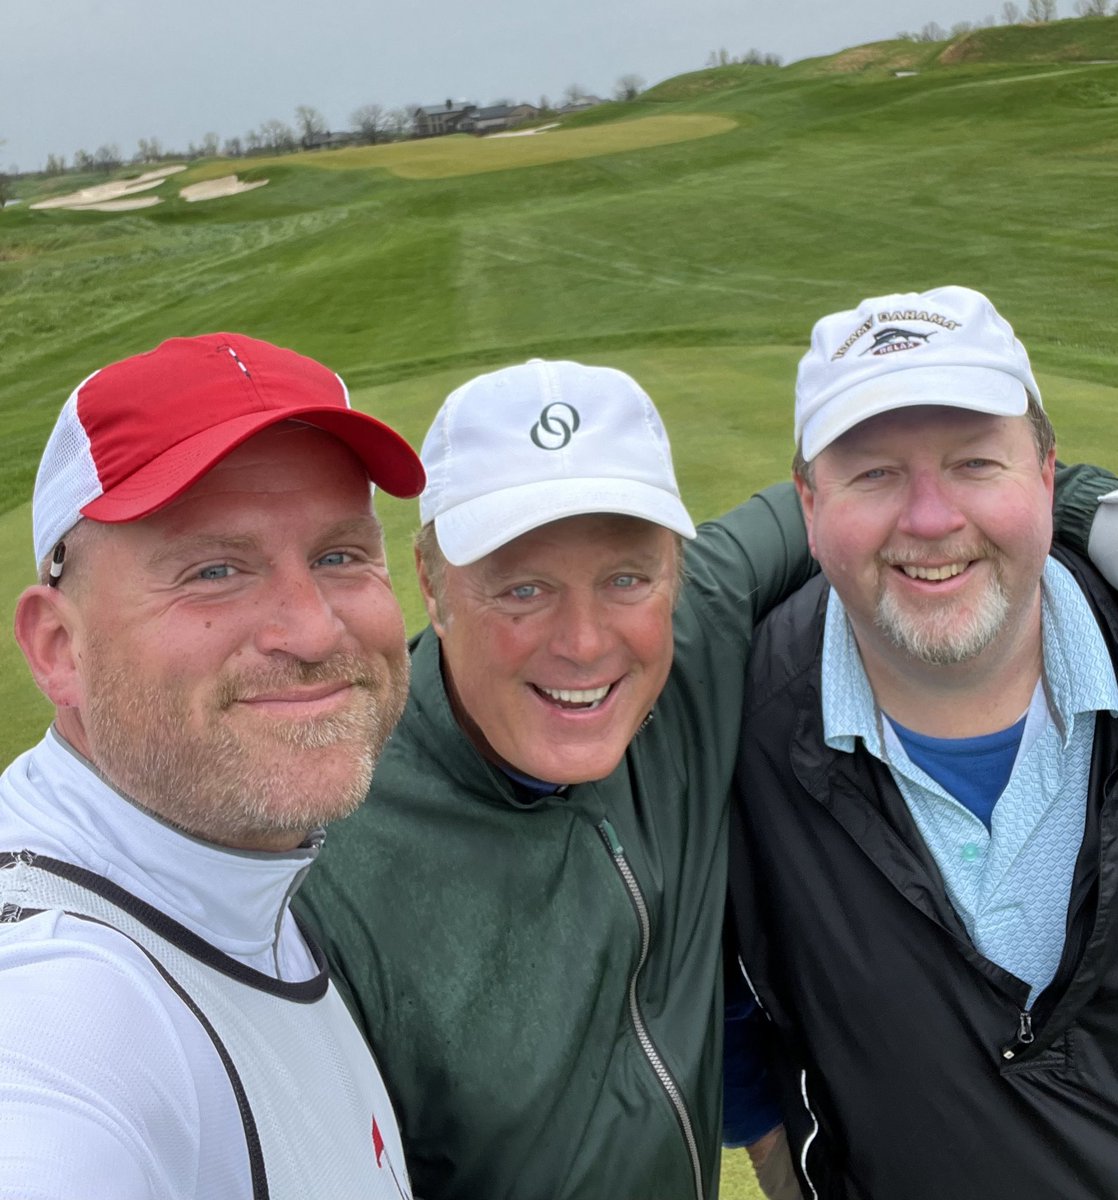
(524, 591)
(336, 558)
(625, 581)
(217, 571)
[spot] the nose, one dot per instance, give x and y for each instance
(297, 617)
(930, 511)
(580, 632)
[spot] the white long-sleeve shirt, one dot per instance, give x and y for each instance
(110, 1087)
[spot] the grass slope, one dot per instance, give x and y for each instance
(691, 238)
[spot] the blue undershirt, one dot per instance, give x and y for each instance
(974, 770)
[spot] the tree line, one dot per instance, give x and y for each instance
(370, 124)
(1035, 12)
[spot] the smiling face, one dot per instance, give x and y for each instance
(239, 656)
(933, 524)
(556, 646)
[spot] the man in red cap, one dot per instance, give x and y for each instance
(215, 626)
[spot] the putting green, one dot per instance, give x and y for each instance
(444, 157)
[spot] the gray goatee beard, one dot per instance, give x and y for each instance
(940, 637)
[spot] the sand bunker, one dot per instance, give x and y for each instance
(211, 189)
(117, 205)
(96, 198)
(525, 132)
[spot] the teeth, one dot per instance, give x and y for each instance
(946, 572)
(577, 695)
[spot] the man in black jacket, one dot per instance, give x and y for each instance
(925, 857)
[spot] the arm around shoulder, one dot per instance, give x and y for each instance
(747, 561)
(1086, 515)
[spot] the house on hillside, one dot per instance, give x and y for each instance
(581, 103)
(498, 117)
(330, 141)
(434, 120)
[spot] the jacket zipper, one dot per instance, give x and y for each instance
(803, 1091)
(1025, 1035)
(617, 853)
(810, 1137)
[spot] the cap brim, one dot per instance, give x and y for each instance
(472, 530)
(388, 459)
(978, 389)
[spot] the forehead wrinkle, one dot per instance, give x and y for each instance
(350, 528)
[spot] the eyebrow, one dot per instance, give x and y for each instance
(204, 545)
(529, 570)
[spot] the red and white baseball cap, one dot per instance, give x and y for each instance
(136, 434)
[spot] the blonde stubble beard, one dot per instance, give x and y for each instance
(243, 789)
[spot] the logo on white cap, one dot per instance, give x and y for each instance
(595, 444)
(556, 426)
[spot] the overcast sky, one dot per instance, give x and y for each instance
(76, 74)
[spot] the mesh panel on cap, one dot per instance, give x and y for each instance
(67, 479)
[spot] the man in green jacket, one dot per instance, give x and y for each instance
(527, 913)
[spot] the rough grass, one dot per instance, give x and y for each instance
(698, 265)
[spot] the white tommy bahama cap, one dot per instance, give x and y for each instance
(948, 346)
(521, 447)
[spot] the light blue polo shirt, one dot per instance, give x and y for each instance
(1011, 884)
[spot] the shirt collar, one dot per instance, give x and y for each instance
(58, 803)
(1078, 673)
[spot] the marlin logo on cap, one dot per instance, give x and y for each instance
(891, 339)
(556, 426)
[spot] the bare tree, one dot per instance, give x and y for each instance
(1011, 14)
(628, 87)
(369, 120)
(574, 93)
(961, 27)
(253, 142)
(148, 150)
(399, 123)
(210, 143)
(83, 161)
(56, 164)
(233, 148)
(719, 58)
(1092, 8)
(107, 157)
(933, 32)
(309, 122)
(6, 191)
(1040, 11)
(277, 136)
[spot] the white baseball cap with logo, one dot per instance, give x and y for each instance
(530, 444)
(948, 346)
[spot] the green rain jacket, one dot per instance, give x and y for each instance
(541, 983)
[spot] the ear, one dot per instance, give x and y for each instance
(1048, 473)
(47, 628)
(430, 602)
(807, 503)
